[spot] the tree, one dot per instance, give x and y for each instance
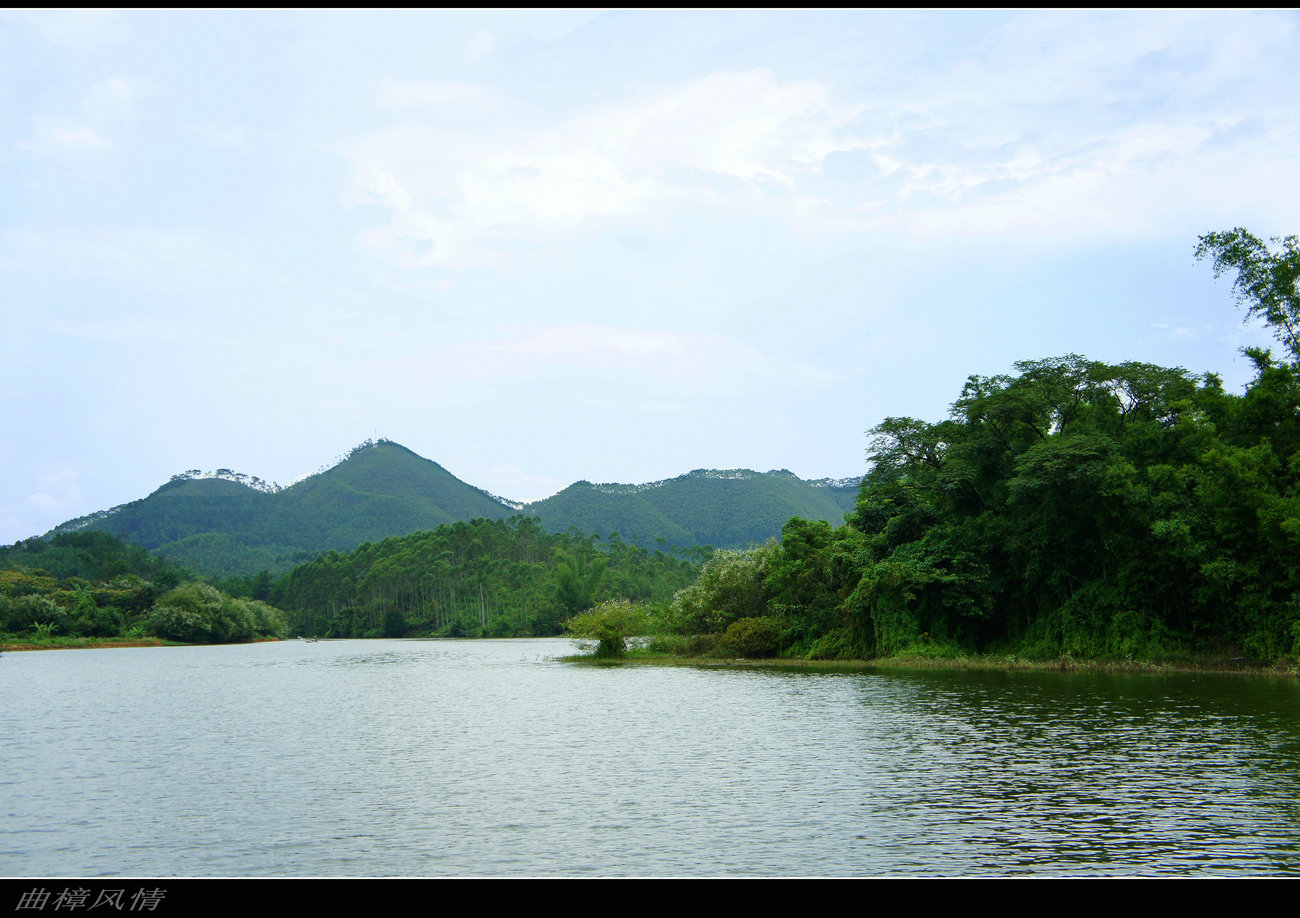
(610, 624)
(1267, 284)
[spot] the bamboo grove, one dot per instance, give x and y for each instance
(1071, 508)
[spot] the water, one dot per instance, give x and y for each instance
(455, 758)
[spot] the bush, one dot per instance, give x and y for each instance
(753, 638)
(199, 614)
(27, 612)
(731, 586)
(175, 624)
(610, 624)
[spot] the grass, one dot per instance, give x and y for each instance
(1004, 663)
(10, 643)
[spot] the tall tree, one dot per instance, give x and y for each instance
(1267, 284)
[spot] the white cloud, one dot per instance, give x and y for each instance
(61, 134)
(514, 482)
(433, 95)
(157, 258)
(591, 342)
(1061, 125)
(80, 30)
(1050, 128)
(59, 491)
(480, 45)
(657, 361)
(233, 137)
(108, 109)
(453, 191)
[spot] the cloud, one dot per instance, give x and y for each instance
(80, 30)
(595, 342)
(451, 193)
(152, 258)
(436, 96)
(234, 137)
(1056, 126)
(515, 482)
(59, 491)
(1044, 127)
(671, 363)
(107, 110)
(480, 45)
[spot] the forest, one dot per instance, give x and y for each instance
(482, 578)
(1071, 508)
(92, 587)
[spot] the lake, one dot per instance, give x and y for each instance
(492, 758)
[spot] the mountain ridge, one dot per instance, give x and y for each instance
(228, 523)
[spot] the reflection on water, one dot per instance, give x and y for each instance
(434, 758)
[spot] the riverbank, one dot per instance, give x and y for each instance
(9, 645)
(992, 663)
(79, 643)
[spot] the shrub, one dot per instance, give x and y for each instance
(752, 638)
(610, 624)
(731, 586)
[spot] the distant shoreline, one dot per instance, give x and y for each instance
(79, 644)
(89, 643)
(992, 663)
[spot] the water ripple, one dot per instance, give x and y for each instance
(436, 758)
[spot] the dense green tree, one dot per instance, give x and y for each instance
(475, 578)
(1068, 507)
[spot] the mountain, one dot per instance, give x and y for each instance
(228, 524)
(731, 508)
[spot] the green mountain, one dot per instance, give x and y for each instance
(231, 524)
(226, 524)
(732, 508)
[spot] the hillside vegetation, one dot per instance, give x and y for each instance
(225, 528)
(494, 578)
(93, 586)
(229, 525)
(1070, 508)
(733, 508)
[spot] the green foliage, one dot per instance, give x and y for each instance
(732, 509)
(1267, 284)
(752, 638)
(1070, 508)
(576, 579)
(230, 527)
(34, 603)
(610, 624)
(89, 554)
(200, 614)
(471, 579)
(731, 585)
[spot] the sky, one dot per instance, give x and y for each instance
(539, 247)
